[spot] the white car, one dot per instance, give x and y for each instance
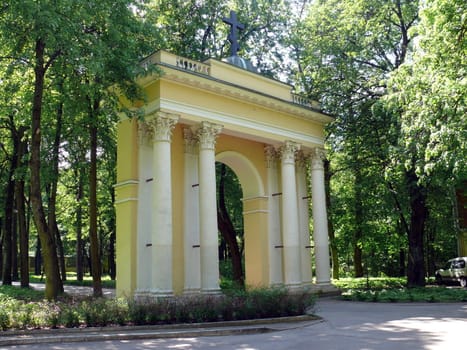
(455, 270)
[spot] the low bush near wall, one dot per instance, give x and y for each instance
(17, 313)
(386, 289)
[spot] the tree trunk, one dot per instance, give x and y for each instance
(8, 230)
(358, 233)
(38, 258)
(93, 238)
(331, 233)
(14, 245)
(23, 233)
(227, 230)
(401, 262)
(53, 284)
(9, 210)
(1, 244)
(418, 216)
(112, 241)
(79, 226)
(430, 249)
(52, 205)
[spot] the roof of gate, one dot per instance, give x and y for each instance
(236, 80)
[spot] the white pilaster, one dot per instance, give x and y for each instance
(162, 124)
(145, 203)
(304, 219)
(192, 271)
(290, 226)
(207, 134)
(320, 221)
(274, 218)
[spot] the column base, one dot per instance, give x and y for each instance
(294, 286)
(191, 291)
(152, 294)
(324, 289)
(214, 291)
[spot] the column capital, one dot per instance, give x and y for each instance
(162, 124)
(287, 152)
(190, 140)
(271, 155)
(145, 133)
(207, 134)
(317, 157)
(300, 160)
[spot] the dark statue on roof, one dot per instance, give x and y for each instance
(234, 26)
(234, 59)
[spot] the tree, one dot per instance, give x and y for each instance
(346, 52)
(93, 40)
(205, 35)
(431, 94)
(228, 192)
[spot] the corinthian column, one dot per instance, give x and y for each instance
(162, 125)
(290, 226)
(207, 134)
(191, 243)
(304, 219)
(274, 218)
(320, 219)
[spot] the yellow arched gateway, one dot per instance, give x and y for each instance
(197, 113)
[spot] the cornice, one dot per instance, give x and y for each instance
(223, 88)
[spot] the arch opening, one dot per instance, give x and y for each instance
(254, 214)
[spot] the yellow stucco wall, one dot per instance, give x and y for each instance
(246, 158)
(126, 193)
(197, 98)
(250, 121)
(255, 221)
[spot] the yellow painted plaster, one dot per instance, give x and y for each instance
(253, 110)
(126, 192)
(255, 220)
(225, 105)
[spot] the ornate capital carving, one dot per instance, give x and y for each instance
(287, 152)
(300, 160)
(207, 134)
(162, 125)
(271, 156)
(145, 133)
(317, 157)
(191, 142)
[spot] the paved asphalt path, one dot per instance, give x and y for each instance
(344, 325)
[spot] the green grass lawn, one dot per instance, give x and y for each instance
(71, 280)
(388, 289)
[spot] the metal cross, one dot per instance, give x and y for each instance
(234, 25)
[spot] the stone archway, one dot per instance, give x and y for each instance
(254, 216)
(196, 113)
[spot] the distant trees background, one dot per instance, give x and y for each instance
(392, 72)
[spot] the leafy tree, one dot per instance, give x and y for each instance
(230, 218)
(87, 41)
(431, 92)
(204, 36)
(347, 51)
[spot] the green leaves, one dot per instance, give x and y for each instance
(431, 90)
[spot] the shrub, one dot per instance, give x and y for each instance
(394, 291)
(238, 304)
(4, 320)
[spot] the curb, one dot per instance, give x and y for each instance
(64, 335)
